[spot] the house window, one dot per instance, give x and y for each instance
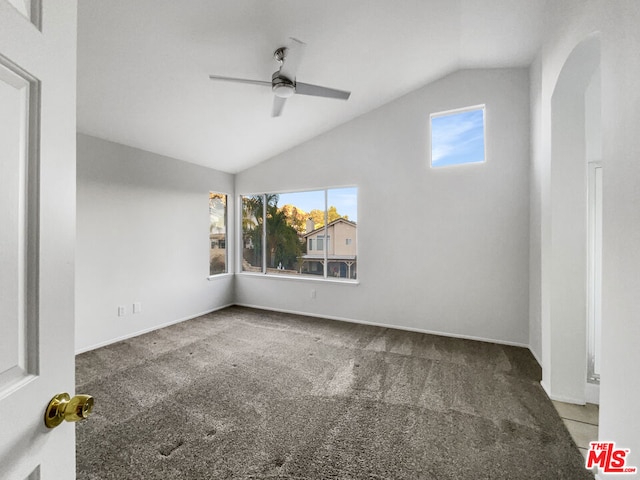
(296, 233)
(217, 233)
(320, 242)
(347, 241)
(458, 137)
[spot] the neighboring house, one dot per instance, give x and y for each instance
(339, 239)
(217, 253)
(218, 240)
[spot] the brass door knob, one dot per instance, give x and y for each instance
(63, 407)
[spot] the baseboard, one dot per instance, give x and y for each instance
(147, 330)
(545, 388)
(315, 315)
(560, 398)
(535, 355)
(385, 325)
(592, 393)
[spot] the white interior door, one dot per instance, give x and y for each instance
(37, 232)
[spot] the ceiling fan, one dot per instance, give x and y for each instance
(283, 81)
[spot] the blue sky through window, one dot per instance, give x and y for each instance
(457, 138)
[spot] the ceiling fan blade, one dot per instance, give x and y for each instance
(293, 58)
(318, 91)
(278, 106)
(239, 80)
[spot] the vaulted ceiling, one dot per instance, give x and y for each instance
(144, 65)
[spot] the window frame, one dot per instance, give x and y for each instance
(444, 113)
(226, 235)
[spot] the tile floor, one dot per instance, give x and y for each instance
(581, 421)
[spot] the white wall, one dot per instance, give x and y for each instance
(536, 173)
(442, 250)
(570, 22)
(620, 381)
(142, 236)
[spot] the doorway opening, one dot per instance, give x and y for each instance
(575, 249)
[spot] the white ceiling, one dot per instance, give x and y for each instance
(143, 65)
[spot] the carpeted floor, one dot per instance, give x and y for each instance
(248, 394)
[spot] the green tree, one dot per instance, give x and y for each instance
(252, 224)
(296, 217)
(332, 214)
(283, 245)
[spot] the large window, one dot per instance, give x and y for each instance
(217, 233)
(458, 137)
(305, 233)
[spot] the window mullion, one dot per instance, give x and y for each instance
(264, 233)
(326, 230)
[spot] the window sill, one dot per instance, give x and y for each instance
(219, 275)
(300, 278)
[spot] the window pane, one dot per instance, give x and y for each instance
(293, 226)
(217, 233)
(252, 214)
(342, 233)
(457, 138)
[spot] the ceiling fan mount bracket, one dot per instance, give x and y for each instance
(280, 54)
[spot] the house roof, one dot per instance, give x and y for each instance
(338, 220)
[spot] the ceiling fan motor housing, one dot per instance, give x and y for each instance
(282, 87)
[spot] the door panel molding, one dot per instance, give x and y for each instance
(29, 9)
(19, 186)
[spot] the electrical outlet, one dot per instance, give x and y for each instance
(137, 307)
(122, 311)
(313, 294)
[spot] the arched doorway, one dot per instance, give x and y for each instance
(575, 134)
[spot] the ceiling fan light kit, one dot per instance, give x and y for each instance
(282, 87)
(283, 81)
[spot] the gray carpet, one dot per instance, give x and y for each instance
(248, 394)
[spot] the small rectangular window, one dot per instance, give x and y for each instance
(217, 233)
(458, 137)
